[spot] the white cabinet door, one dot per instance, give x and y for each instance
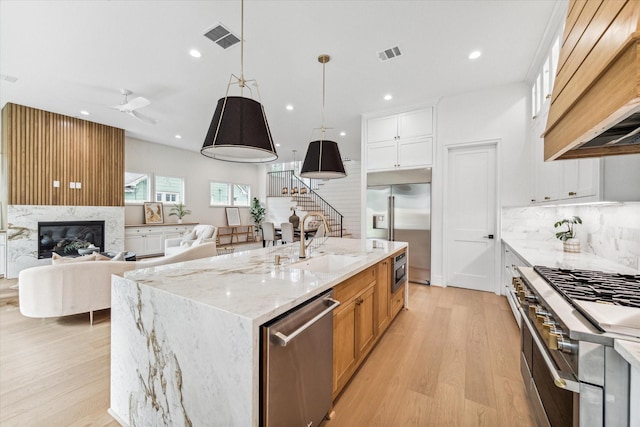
(549, 175)
(154, 243)
(580, 179)
(382, 129)
(416, 124)
(415, 152)
(3, 254)
(382, 156)
(135, 243)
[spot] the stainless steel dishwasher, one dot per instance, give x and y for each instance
(297, 361)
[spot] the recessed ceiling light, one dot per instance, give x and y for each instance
(195, 53)
(388, 97)
(178, 136)
(84, 112)
(343, 133)
(289, 107)
(475, 54)
(277, 145)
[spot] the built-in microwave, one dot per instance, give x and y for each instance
(399, 271)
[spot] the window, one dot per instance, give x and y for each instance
(220, 194)
(136, 187)
(226, 194)
(241, 195)
(169, 189)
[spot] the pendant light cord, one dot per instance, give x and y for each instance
(241, 46)
(323, 98)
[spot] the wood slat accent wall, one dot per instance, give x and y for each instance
(43, 147)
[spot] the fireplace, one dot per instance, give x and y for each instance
(66, 237)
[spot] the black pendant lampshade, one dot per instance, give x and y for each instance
(323, 161)
(239, 132)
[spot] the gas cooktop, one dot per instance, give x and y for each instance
(594, 286)
(609, 300)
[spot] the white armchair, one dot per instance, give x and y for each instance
(201, 233)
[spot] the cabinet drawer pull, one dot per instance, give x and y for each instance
(573, 193)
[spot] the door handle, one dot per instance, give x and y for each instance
(488, 236)
(283, 339)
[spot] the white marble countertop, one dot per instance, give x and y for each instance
(630, 351)
(550, 254)
(249, 285)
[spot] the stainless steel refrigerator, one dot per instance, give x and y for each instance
(402, 212)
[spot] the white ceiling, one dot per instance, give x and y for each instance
(76, 55)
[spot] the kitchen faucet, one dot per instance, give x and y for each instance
(303, 245)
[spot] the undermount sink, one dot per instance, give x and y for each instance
(326, 263)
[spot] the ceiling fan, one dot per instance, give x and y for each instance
(130, 107)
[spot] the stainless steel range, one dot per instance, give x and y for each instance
(570, 319)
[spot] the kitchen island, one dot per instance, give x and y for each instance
(185, 338)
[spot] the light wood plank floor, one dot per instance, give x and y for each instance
(452, 359)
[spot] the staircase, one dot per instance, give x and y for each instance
(287, 184)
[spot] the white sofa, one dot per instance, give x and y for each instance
(80, 287)
(201, 233)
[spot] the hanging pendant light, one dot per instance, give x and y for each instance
(323, 160)
(239, 131)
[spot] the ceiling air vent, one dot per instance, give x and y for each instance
(221, 35)
(390, 53)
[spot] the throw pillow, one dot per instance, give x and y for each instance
(118, 257)
(197, 242)
(57, 259)
(189, 236)
(100, 257)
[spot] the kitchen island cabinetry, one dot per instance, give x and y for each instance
(185, 338)
(400, 141)
(354, 329)
(383, 295)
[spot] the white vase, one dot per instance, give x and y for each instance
(571, 245)
(179, 220)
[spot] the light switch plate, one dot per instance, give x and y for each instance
(72, 185)
(56, 184)
(78, 185)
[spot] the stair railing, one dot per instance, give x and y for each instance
(307, 199)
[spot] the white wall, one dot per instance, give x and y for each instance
(344, 195)
(498, 113)
(197, 171)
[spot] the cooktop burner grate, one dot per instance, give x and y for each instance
(595, 286)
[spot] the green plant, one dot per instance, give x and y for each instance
(570, 232)
(257, 213)
(179, 210)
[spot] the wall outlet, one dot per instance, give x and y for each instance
(78, 185)
(56, 184)
(72, 185)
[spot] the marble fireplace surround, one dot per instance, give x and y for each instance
(22, 230)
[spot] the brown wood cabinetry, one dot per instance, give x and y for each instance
(365, 312)
(383, 293)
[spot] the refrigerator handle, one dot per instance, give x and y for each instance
(391, 225)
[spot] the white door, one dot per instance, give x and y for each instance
(471, 217)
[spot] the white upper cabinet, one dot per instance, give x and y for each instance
(402, 140)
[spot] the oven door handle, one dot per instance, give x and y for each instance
(559, 381)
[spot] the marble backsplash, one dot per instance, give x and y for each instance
(22, 230)
(610, 231)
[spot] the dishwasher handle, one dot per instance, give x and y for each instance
(283, 339)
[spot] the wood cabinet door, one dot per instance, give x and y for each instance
(418, 123)
(345, 353)
(365, 325)
(382, 155)
(415, 152)
(382, 129)
(383, 292)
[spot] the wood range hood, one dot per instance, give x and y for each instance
(595, 105)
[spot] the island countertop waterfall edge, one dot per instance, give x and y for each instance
(185, 336)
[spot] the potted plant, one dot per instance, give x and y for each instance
(568, 237)
(257, 213)
(179, 210)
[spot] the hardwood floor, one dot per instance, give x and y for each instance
(452, 359)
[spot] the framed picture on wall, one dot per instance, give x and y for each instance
(153, 213)
(233, 216)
